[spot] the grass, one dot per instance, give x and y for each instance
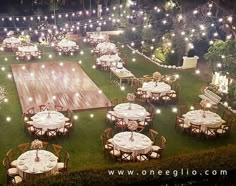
(84, 143)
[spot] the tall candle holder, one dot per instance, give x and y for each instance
(132, 125)
(205, 104)
(130, 98)
(36, 144)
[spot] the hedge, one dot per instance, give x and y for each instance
(222, 158)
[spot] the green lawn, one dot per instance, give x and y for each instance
(84, 143)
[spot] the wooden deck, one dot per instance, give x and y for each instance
(67, 85)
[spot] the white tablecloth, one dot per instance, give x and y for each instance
(196, 117)
(106, 47)
(109, 59)
(136, 112)
(98, 37)
(67, 43)
(31, 49)
(12, 41)
(140, 145)
(26, 162)
(48, 120)
(159, 87)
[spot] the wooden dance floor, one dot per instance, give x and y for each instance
(66, 85)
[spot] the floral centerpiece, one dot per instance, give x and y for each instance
(132, 125)
(130, 98)
(36, 144)
(156, 76)
(205, 104)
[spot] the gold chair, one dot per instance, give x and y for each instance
(153, 135)
(24, 147)
(126, 156)
(45, 145)
(56, 149)
(195, 130)
(11, 157)
(51, 133)
(63, 166)
(42, 108)
(159, 148)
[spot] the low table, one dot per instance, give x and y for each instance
(121, 73)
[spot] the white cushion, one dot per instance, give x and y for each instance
(156, 148)
(108, 146)
(110, 140)
(13, 163)
(115, 153)
(67, 119)
(154, 155)
(209, 133)
(143, 123)
(12, 171)
(30, 129)
(142, 158)
(63, 130)
(60, 165)
(220, 131)
(17, 179)
(126, 157)
(68, 124)
(183, 125)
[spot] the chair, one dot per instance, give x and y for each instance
(110, 117)
(39, 132)
(154, 155)
(120, 123)
(107, 147)
(108, 135)
(153, 135)
(63, 166)
(59, 108)
(210, 132)
(45, 145)
(143, 157)
(16, 180)
(56, 149)
(155, 98)
(115, 154)
(165, 99)
(42, 108)
(144, 96)
(29, 127)
(30, 111)
(126, 156)
(181, 125)
(52, 133)
(225, 129)
(10, 172)
(227, 115)
(11, 157)
(140, 129)
(23, 147)
(64, 131)
(159, 148)
(195, 130)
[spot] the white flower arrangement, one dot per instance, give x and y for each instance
(3, 94)
(36, 144)
(132, 125)
(50, 106)
(157, 76)
(130, 97)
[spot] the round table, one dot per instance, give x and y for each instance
(106, 47)
(140, 144)
(12, 41)
(196, 117)
(156, 87)
(46, 165)
(111, 60)
(48, 120)
(67, 43)
(32, 50)
(137, 112)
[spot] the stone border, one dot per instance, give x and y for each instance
(155, 60)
